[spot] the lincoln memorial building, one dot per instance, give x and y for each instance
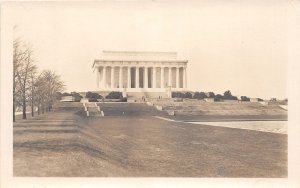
(140, 71)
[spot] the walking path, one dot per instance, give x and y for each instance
(263, 126)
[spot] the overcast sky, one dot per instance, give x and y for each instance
(235, 45)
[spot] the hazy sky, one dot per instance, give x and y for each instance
(236, 45)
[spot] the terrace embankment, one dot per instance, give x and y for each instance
(222, 110)
(129, 109)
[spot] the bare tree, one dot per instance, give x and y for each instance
(20, 54)
(26, 68)
(53, 85)
(32, 93)
(27, 86)
(40, 93)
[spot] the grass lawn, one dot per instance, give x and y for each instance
(67, 144)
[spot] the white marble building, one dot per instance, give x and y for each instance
(140, 71)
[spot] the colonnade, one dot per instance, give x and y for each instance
(148, 77)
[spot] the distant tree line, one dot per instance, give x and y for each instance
(30, 87)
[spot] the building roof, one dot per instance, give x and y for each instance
(138, 56)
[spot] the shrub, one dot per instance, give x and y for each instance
(229, 96)
(199, 95)
(218, 97)
(77, 96)
(178, 95)
(66, 94)
(93, 97)
(188, 95)
(114, 95)
(233, 98)
(245, 98)
(173, 95)
(88, 94)
(211, 95)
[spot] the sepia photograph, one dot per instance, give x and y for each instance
(147, 89)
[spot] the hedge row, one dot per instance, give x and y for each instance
(93, 97)
(201, 95)
(189, 95)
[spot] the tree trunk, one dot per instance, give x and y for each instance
(24, 107)
(24, 99)
(14, 109)
(42, 108)
(32, 102)
(39, 111)
(32, 108)
(14, 92)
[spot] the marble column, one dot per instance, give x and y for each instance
(170, 77)
(120, 77)
(184, 78)
(162, 77)
(145, 77)
(112, 77)
(98, 76)
(104, 77)
(154, 77)
(177, 77)
(128, 77)
(137, 78)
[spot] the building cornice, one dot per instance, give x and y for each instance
(158, 63)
